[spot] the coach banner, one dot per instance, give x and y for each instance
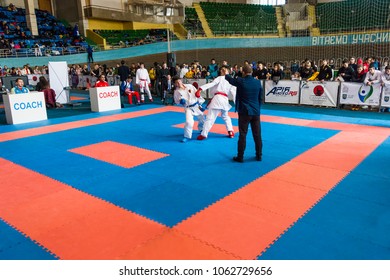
(360, 94)
(283, 92)
(385, 96)
(319, 93)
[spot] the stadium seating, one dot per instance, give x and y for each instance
(352, 15)
(53, 35)
(192, 22)
(240, 19)
(128, 38)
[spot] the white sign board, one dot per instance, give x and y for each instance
(385, 96)
(360, 94)
(59, 80)
(319, 94)
(283, 92)
(25, 107)
(105, 98)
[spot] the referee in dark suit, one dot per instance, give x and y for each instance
(248, 100)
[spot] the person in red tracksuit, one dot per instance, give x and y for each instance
(101, 82)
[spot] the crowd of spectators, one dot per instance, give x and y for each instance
(368, 71)
(54, 38)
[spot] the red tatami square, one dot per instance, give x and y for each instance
(119, 154)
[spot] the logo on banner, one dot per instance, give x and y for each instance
(365, 93)
(386, 99)
(344, 96)
(282, 91)
(318, 90)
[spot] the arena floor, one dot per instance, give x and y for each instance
(120, 185)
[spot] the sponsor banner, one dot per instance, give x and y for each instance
(385, 96)
(283, 92)
(319, 94)
(25, 107)
(105, 98)
(360, 94)
(33, 79)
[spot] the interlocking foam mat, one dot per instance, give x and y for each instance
(121, 185)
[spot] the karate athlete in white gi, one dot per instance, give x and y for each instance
(184, 95)
(219, 103)
(142, 79)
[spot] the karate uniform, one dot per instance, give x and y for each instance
(219, 103)
(191, 108)
(142, 79)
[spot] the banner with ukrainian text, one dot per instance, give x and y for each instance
(319, 94)
(360, 94)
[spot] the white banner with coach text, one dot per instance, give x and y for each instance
(360, 94)
(282, 92)
(320, 94)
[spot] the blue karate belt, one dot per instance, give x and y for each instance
(192, 105)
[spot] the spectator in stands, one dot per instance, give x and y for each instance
(352, 63)
(359, 75)
(123, 71)
(110, 72)
(42, 84)
(163, 78)
(49, 93)
(6, 70)
(152, 75)
(90, 54)
(373, 76)
(213, 69)
(294, 67)
(133, 69)
(375, 62)
(325, 73)
(236, 71)
(296, 77)
(75, 32)
(204, 72)
(37, 49)
(45, 70)
(26, 71)
(19, 87)
(346, 72)
(37, 71)
(85, 70)
(366, 64)
(183, 70)
(101, 82)
(276, 75)
(331, 63)
(384, 64)
(12, 8)
(385, 79)
(261, 72)
(306, 71)
(96, 71)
